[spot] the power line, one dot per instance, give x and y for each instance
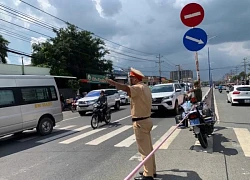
(81, 28)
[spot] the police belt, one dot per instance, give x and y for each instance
(139, 119)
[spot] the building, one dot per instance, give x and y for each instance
(185, 75)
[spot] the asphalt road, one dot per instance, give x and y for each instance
(74, 151)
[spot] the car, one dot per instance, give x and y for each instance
(28, 102)
(238, 94)
(124, 97)
(167, 97)
(86, 103)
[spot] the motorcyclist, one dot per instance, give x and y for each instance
(103, 101)
(220, 87)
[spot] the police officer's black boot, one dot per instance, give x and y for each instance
(144, 178)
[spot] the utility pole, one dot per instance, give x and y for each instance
(197, 67)
(179, 73)
(236, 70)
(245, 67)
(22, 66)
(159, 62)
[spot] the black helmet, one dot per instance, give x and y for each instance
(102, 92)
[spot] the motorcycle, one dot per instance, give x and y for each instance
(202, 121)
(220, 90)
(98, 115)
(73, 106)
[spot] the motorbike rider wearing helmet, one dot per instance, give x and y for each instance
(103, 101)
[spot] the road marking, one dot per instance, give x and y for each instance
(63, 134)
(113, 121)
(71, 118)
(243, 136)
(109, 135)
(54, 130)
(66, 127)
(136, 157)
(122, 118)
(166, 144)
(129, 141)
(209, 149)
(216, 109)
(81, 136)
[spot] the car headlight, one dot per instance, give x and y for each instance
(92, 102)
(167, 97)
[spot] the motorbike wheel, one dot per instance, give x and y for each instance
(108, 118)
(203, 140)
(94, 122)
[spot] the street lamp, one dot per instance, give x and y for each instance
(209, 64)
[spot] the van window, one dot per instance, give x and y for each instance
(53, 93)
(35, 94)
(6, 97)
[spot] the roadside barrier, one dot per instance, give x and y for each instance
(205, 98)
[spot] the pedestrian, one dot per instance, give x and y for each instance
(197, 91)
(141, 102)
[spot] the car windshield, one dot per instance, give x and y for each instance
(93, 94)
(163, 88)
(243, 89)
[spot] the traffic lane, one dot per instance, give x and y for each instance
(231, 116)
(16, 143)
(78, 161)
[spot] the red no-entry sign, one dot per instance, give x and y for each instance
(192, 14)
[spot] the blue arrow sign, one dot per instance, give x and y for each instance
(195, 39)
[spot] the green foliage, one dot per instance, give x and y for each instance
(74, 84)
(3, 49)
(72, 53)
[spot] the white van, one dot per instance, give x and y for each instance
(28, 102)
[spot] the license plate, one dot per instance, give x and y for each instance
(247, 101)
(194, 122)
(155, 107)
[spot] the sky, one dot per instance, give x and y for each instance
(139, 30)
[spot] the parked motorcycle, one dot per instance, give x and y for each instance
(202, 120)
(98, 115)
(73, 106)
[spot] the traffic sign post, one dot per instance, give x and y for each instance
(192, 14)
(194, 39)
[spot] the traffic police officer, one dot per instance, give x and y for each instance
(141, 102)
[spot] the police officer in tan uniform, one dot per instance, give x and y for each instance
(141, 101)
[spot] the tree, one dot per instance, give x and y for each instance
(3, 49)
(72, 53)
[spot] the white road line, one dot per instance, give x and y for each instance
(70, 118)
(81, 136)
(216, 109)
(243, 136)
(63, 134)
(109, 135)
(122, 119)
(66, 127)
(129, 141)
(166, 144)
(136, 157)
(209, 149)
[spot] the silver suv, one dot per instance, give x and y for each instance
(86, 104)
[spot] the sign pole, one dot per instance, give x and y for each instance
(197, 67)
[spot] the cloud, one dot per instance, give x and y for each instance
(154, 27)
(35, 40)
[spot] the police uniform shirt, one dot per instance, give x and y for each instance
(141, 101)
